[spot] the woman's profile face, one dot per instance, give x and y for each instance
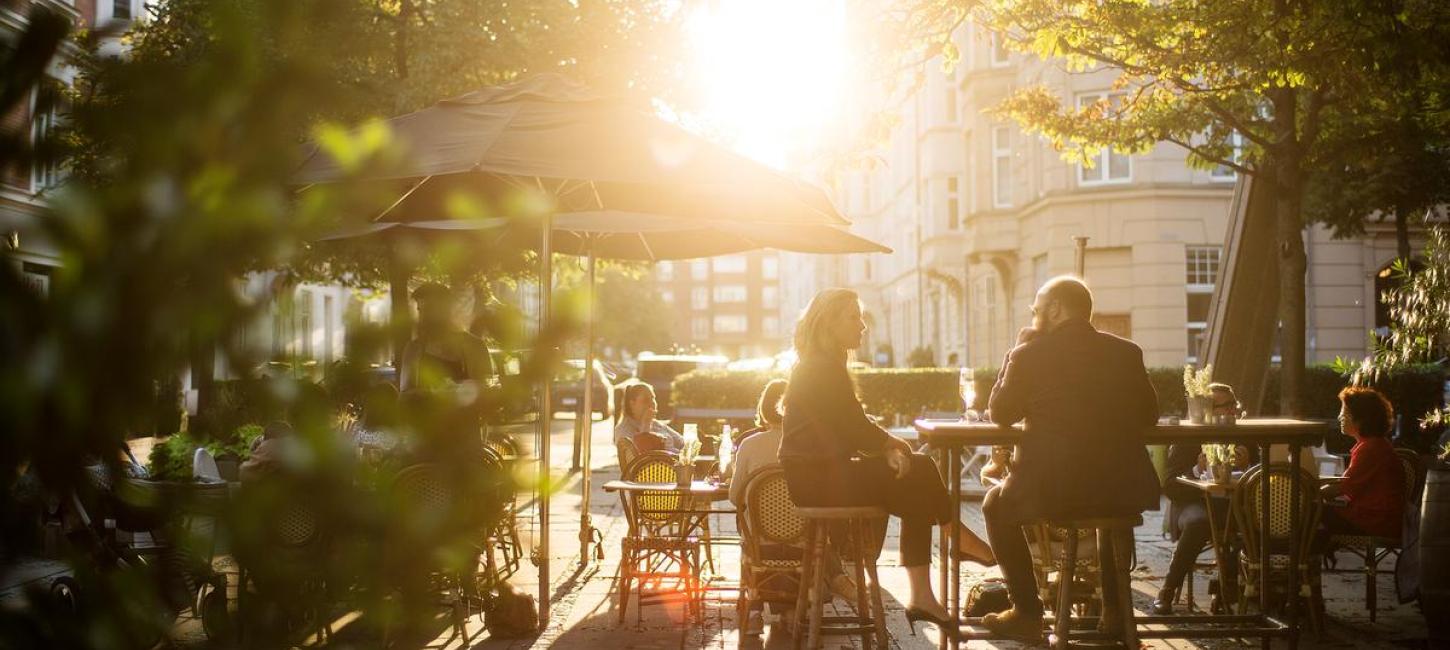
(643, 405)
(1346, 423)
(849, 328)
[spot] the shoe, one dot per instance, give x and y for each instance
(914, 614)
(1015, 624)
(1163, 604)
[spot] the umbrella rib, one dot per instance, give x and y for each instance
(402, 198)
(647, 249)
(595, 188)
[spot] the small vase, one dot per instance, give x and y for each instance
(1222, 473)
(684, 475)
(1198, 409)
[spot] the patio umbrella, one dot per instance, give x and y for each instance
(548, 137)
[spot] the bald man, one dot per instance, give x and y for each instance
(1086, 400)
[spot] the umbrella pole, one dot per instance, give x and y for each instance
(546, 415)
(586, 528)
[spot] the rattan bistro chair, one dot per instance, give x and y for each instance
(432, 506)
(1373, 549)
(1278, 538)
(657, 546)
(626, 453)
(772, 537)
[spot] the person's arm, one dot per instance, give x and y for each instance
(1143, 398)
(677, 441)
(1008, 402)
(1363, 466)
(841, 410)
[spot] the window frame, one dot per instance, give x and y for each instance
(995, 47)
(1001, 153)
(954, 203)
(1105, 155)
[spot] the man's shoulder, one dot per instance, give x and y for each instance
(1118, 343)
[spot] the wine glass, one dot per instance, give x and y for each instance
(967, 388)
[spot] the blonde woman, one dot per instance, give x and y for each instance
(833, 455)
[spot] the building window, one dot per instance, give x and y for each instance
(1001, 167)
(769, 297)
(728, 264)
(731, 293)
(954, 203)
(732, 324)
(770, 326)
(282, 332)
(304, 322)
(769, 267)
(46, 174)
(1001, 58)
(36, 277)
(1202, 265)
(700, 328)
(1109, 166)
(699, 270)
(1224, 172)
(668, 296)
(121, 10)
(700, 298)
(665, 271)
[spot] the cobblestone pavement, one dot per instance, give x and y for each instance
(583, 614)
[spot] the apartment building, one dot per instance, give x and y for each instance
(980, 214)
(728, 305)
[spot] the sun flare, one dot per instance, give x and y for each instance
(770, 71)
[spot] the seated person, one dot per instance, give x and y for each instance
(270, 453)
(760, 449)
(1373, 488)
(1188, 522)
(638, 425)
(758, 452)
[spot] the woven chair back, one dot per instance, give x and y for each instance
(426, 499)
(1247, 509)
(770, 515)
(625, 450)
(655, 467)
(295, 525)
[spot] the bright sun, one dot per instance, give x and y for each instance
(771, 71)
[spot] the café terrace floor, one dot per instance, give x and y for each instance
(584, 617)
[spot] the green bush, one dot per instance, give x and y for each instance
(1413, 390)
(170, 459)
(909, 392)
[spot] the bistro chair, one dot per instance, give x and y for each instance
(856, 546)
(626, 453)
(284, 575)
(1279, 538)
(1048, 546)
(772, 541)
(658, 545)
(432, 506)
(502, 536)
(1110, 532)
(1373, 549)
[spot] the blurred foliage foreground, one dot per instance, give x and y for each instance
(182, 190)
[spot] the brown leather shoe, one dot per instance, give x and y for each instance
(1015, 624)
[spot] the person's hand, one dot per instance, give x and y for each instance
(1026, 334)
(899, 462)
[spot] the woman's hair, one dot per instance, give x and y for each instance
(811, 330)
(632, 392)
(768, 411)
(1369, 409)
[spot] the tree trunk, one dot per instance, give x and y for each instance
(1288, 160)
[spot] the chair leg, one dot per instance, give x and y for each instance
(818, 591)
(1371, 568)
(626, 562)
(857, 557)
(1123, 570)
(878, 610)
(1064, 591)
(802, 599)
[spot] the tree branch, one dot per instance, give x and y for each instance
(1238, 167)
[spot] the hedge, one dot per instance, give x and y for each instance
(888, 392)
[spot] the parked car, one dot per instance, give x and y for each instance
(660, 370)
(569, 389)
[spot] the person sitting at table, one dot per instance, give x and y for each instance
(1373, 488)
(834, 456)
(1086, 400)
(1189, 525)
(638, 425)
(271, 453)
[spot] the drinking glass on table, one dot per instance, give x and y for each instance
(967, 388)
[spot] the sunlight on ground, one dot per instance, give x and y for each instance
(772, 72)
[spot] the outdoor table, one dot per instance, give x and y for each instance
(951, 437)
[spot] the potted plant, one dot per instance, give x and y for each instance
(685, 471)
(1220, 462)
(1200, 396)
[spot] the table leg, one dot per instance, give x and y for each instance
(1264, 541)
(1294, 555)
(943, 547)
(1219, 538)
(953, 457)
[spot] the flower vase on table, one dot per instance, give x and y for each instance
(684, 475)
(1221, 473)
(1199, 395)
(685, 471)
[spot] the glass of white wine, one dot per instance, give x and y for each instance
(967, 388)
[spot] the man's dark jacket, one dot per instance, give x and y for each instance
(1086, 399)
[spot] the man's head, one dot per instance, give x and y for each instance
(435, 304)
(1061, 299)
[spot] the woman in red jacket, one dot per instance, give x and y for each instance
(1373, 486)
